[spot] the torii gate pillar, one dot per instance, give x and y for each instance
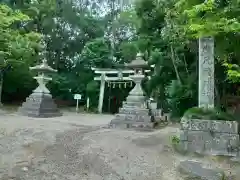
(103, 78)
(101, 93)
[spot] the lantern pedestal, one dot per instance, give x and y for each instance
(40, 103)
(134, 113)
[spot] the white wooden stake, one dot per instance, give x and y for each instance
(77, 106)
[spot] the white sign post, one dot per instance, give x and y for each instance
(77, 97)
(88, 103)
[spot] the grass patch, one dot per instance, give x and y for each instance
(175, 140)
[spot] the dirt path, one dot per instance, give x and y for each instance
(77, 146)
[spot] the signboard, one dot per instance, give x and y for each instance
(77, 96)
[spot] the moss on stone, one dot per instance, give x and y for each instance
(207, 114)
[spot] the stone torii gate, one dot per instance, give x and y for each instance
(103, 78)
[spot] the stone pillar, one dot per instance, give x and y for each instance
(101, 93)
(206, 72)
(136, 94)
(42, 80)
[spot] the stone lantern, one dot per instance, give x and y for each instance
(40, 102)
(134, 113)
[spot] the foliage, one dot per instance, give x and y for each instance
(96, 54)
(16, 45)
(85, 34)
(177, 146)
(172, 47)
(66, 28)
(169, 54)
(207, 114)
(92, 91)
(181, 96)
(128, 51)
(208, 18)
(175, 140)
(233, 72)
(211, 18)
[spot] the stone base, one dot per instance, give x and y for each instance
(2, 112)
(133, 110)
(195, 170)
(132, 118)
(210, 137)
(39, 105)
(235, 159)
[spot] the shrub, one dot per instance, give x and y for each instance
(175, 140)
(207, 114)
(180, 96)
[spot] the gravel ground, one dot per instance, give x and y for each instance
(79, 147)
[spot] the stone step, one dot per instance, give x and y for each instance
(195, 170)
(42, 115)
(132, 104)
(139, 111)
(118, 120)
(133, 117)
(40, 96)
(39, 107)
(132, 125)
(39, 102)
(136, 98)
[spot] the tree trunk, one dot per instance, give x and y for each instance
(185, 64)
(174, 65)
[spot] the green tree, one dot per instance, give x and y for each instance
(17, 46)
(214, 18)
(66, 28)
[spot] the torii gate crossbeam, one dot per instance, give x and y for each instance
(103, 78)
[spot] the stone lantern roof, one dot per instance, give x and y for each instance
(139, 62)
(43, 67)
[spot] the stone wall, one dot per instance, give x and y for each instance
(210, 137)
